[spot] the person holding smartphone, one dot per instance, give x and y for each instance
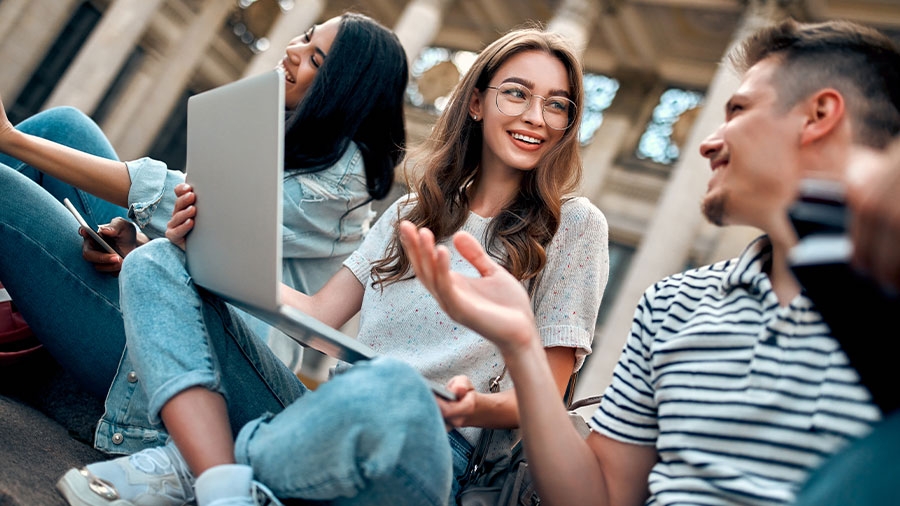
(344, 85)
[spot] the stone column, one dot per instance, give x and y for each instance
(672, 230)
(419, 24)
(598, 156)
(102, 56)
(574, 20)
(10, 10)
(180, 62)
(31, 27)
(288, 25)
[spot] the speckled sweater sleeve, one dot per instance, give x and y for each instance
(571, 287)
(374, 245)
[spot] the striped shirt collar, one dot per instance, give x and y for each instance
(747, 268)
(749, 272)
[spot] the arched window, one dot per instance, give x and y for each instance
(657, 143)
(599, 92)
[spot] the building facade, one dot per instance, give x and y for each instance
(654, 81)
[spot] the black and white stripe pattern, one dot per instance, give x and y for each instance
(741, 397)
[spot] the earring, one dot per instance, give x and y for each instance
(474, 117)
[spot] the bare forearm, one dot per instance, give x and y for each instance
(564, 467)
(107, 179)
(334, 304)
(495, 411)
(501, 410)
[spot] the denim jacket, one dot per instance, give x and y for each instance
(324, 218)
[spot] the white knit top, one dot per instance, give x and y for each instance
(403, 320)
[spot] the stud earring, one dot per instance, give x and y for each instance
(474, 117)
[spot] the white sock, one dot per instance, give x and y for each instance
(224, 481)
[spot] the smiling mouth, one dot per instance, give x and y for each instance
(718, 164)
(287, 75)
(525, 138)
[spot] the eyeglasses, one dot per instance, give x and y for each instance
(514, 99)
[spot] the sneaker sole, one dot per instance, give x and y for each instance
(75, 488)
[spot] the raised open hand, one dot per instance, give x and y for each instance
(495, 305)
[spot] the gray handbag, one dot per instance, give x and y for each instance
(507, 480)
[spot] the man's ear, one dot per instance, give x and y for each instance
(824, 111)
(475, 105)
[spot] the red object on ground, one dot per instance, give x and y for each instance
(16, 338)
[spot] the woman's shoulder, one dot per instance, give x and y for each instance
(580, 210)
(352, 159)
(398, 209)
(582, 231)
(350, 163)
(404, 204)
(351, 151)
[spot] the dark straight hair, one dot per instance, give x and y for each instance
(357, 95)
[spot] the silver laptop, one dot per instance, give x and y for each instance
(235, 163)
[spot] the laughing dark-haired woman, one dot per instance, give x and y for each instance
(345, 134)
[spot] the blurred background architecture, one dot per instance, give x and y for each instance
(653, 76)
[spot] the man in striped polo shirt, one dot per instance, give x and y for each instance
(730, 389)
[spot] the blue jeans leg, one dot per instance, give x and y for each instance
(179, 337)
(372, 435)
(73, 310)
(462, 452)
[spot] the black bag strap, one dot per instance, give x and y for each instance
(475, 467)
(569, 399)
(476, 462)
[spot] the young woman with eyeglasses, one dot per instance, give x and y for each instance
(502, 163)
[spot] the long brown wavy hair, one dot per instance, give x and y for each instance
(449, 162)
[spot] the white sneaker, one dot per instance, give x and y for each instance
(152, 477)
(232, 485)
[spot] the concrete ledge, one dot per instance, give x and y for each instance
(35, 451)
(46, 424)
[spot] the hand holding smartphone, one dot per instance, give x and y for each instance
(94, 235)
(859, 312)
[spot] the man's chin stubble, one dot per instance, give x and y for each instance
(714, 210)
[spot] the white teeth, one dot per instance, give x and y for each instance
(287, 75)
(525, 138)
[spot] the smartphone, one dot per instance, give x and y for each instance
(858, 311)
(820, 219)
(441, 391)
(94, 235)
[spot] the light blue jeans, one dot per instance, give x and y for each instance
(372, 435)
(73, 309)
